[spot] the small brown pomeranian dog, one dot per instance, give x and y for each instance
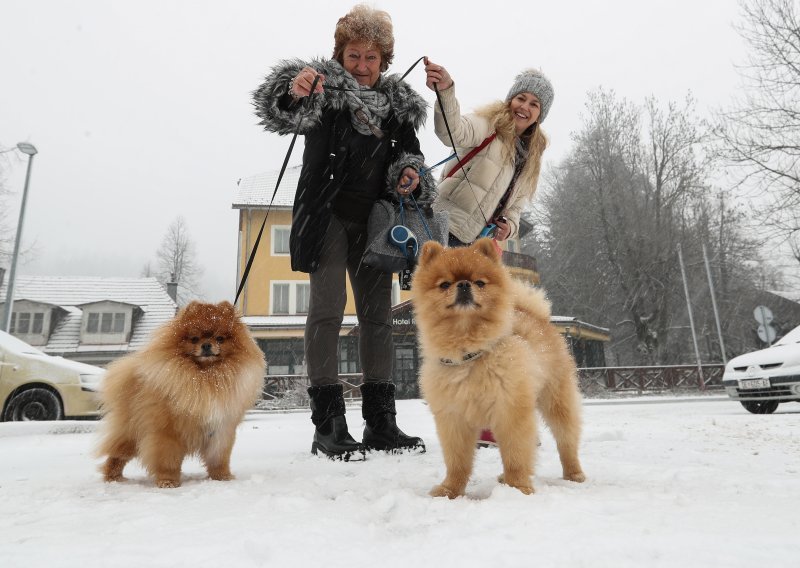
(183, 394)
(491, 356)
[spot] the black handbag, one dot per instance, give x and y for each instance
(397, 231)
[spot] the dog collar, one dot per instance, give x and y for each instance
(465, 359)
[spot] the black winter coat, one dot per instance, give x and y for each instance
(325, 121)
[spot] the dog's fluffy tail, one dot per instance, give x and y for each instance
(531, 302)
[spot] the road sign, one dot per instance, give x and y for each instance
(767, 333)
(763, 315)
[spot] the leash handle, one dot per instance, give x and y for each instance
(252, 257)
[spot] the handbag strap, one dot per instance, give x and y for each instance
(419, 212)
(471, 154)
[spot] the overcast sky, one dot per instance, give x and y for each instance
(141, 109)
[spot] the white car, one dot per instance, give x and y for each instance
(37, 386)
(763, 379)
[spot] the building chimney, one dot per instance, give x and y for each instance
(172, 288)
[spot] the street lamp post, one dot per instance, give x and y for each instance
(30, 150)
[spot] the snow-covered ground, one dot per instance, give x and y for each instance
(672, 482)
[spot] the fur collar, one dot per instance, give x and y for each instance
(408, 106)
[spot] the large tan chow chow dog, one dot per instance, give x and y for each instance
(183, 394)
(491, 356)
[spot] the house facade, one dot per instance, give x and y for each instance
(274, 301)
(87, 319)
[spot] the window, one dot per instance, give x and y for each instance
(280, 239)
(290, 297)
(348, 355)
(280, 298)
(23, 323)
(93, 323)
(303, 294)
(38, 323)
(105, 322)
(119, 322)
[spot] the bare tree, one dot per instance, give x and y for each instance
(761, 132)
(6, 233)
(612, 216)
(176, 261)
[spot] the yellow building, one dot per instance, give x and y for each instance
(274, 301)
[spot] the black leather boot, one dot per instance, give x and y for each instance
(381, 431)
(331, 436)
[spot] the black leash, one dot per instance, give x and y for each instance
(274, 193)
(455, 152)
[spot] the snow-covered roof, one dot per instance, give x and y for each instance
(69, 292)
(564, 320)
(256, 191)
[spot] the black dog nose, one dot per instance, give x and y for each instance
(206, 348)
(464, 286)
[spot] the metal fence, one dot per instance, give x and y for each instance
(289, 391)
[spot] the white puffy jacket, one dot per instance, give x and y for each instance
(489, 173)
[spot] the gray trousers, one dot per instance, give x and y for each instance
(344, 246)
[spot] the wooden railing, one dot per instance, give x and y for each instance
(289, 391)
(599, 380)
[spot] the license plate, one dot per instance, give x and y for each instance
(754, 384)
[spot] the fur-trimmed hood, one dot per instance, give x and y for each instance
(408, 106)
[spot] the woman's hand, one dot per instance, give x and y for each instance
(409, 180)
(503, 230)
(437, 75)
(301, 84)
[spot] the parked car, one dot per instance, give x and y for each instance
(763, 379)
(37, 386)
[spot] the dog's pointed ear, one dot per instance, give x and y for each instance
(430, 250)
(227, 308)
(190, 307)
(487, 247)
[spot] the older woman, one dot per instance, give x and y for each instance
(502, 177)
(360, 145)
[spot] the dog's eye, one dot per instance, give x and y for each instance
(194, 339)
(444, 285)
(480, 283)
(220, 339)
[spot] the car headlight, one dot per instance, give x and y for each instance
(91, 381)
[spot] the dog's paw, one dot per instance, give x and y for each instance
(167, 483)
(576, 476)
(526, 489)
(442, 491)
(113, 478)
(221, 476)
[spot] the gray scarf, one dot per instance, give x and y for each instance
(368, 107)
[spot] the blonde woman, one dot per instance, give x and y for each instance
(503, 175)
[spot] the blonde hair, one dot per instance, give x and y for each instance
(365, 24)
(500, 118)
